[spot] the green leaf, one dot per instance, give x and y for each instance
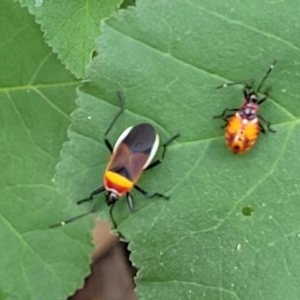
(127, 3)
(71, 27)
(37, 95)
(231, 228)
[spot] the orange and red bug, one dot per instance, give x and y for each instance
(244, 126)
(132, 154)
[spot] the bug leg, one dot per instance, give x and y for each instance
(221, 116)
(165, 145)
(130, 202)
(131, 206)
(226, 123)
(262, 100)
(266, 96)
(108, 145)
(114, 223)
(268, 124)
(95, 192)
(226, 120)
(111, 216)
(148, 195)
(266, 93)
(261, 128)
(121, 101)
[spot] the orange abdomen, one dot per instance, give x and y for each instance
(241, 134)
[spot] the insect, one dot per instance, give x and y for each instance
(243, 126)
(132, 154)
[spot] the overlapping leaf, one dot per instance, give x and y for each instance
(36, 96)
(71, 27)
(231, 229)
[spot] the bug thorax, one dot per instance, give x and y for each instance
(111, 197)
(249, 109)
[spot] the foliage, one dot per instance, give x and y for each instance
(231, 228)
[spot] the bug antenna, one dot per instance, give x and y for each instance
(267, 74)
(230, 84)
(121, 101)
(63, 223)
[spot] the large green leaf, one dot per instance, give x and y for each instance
(231, 229)
(71, 27)
(36, 96)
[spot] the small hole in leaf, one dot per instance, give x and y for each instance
(247, 211)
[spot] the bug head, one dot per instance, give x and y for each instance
(252, 97)
(111, 197)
